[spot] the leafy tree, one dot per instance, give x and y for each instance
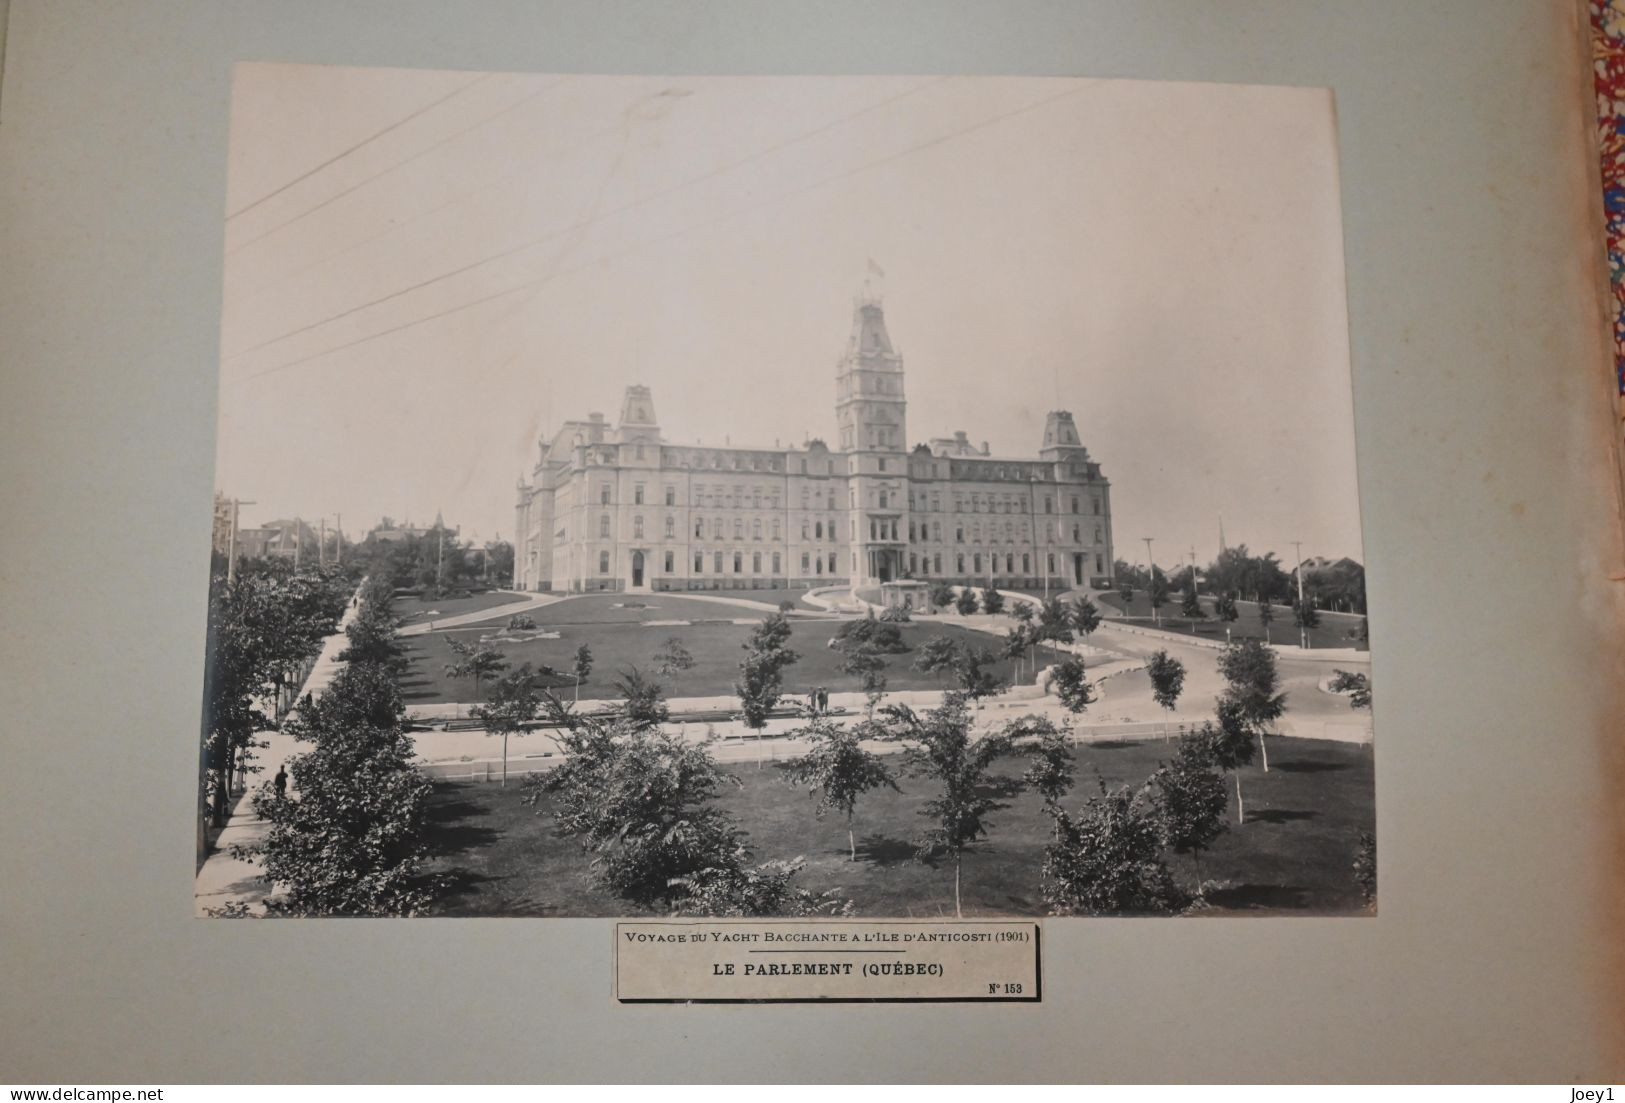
(1266, 614)
(1108, 860)
(992, 601)
(837, 770)
(1224, 610)
(1191, 605)
(1167, 676)
(864, 663)
(1305, 616)
(1157, 594)
(970, 668)
(348, 838)
(1050, 775)
(873, 632)
(1024, 612)
(941, 595)
(939, 746)
(1125, 590)
(1054, 622)
(737, 890)
(1189, 799)
(1365, 867)
(1357, 686)
(937, 656)
(1085, 616)
(965, 603)
(642, 702)
(673, 658)
(761, 672)
(1014, 644)
(513, 704)
(1070, 681)
(521, 622)
(478, 661)
(1229, 746)
(1251, 684)
(581, 667)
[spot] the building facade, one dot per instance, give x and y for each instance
(616, 507)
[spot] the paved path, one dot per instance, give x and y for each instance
(224, 879)
(522, 603)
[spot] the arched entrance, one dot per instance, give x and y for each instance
(637, 570)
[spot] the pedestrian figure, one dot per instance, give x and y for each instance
(281, 781)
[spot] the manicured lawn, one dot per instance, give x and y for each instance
(1333, 630)
(1292, 857)
(414, 610)
(717, 649)
(631, 609)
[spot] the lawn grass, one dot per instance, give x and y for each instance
(630, 609)
(1333, 630)
(1293, 856)
(416, 610)
(717, 649)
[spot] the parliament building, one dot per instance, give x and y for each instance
(616, 507)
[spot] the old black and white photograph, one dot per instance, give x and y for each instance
(922, 497)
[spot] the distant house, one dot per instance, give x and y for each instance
(388, 532)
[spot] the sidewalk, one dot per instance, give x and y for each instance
(224, 879)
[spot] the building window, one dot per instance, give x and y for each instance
(1051, 560)
(1097, 534)
(959, 563)
(806, 562)
(775, 528)
(671, 527)
(1026, 563)
(637, 494)
(804, 529)
(603, 562)
(637, 527)
(959, 534)
(699, 527)
(739, 528)
(756, 529)
(883, 461)
(716, 562)
(671, 495)
(1074, 505)
(936, 563)
(882, 499)
(1100, 564)
(603, 494)
(1048, 505)
(819, 529)
(699, 562)
(603, 526)
(716, 528)
(1076, 538)
(832, 562)
(739, 561)
(977, 562)
(776, 563)
(1097, 507)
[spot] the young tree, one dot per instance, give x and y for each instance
(1167, 676)
(513, 704)
(1108, 861)
(965, 603)
(941, 595)
(761, 672)
(1224, 610)
(1229, 746)
(939, 746)
(1125, 590)
(1357, 686)
(970, 668)
(1266, 613)
(1251, 683)
(864, 663)
(992, 601)
(1191, 605)
(478, 662)
(1050, 775)
(673, 658)
(1085, 617)
(1305, 616)
(937, 656)
(642, 702)
(1014, 644)
(1189, 799)
(581, 667)
(1070, 681)
(1157, 595)
(837, 770)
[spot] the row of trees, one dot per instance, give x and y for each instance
(265, 628)
(347, 835)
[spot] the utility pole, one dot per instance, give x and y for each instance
(321, 546)
(1303, 633)
(1150, 578)
(338, 539)
(298, 542)
(231, 554)
(1193, 568)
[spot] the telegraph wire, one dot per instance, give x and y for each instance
(623, 254)
(459, 90)
(581, 225)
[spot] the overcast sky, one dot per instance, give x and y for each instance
(425, 270)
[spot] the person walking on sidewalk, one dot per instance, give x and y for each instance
(281, 781)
